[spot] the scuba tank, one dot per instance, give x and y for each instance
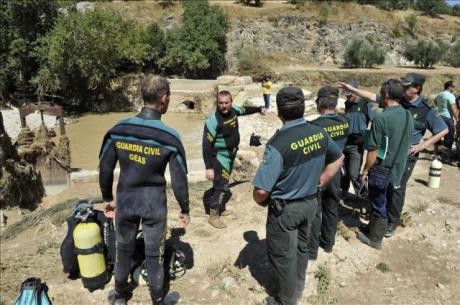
(435, 174)
(90, 248)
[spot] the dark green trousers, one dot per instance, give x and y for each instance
(287, 243)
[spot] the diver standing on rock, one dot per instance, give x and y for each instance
(337, 126)
(298, 159)
(221, 138)
(143, 145)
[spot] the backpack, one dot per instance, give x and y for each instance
(33, 292)
(68, 250)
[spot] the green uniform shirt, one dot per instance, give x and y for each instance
(388, 135)
(294, 159)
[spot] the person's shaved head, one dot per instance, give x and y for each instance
(153, 88)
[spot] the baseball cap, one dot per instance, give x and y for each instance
(413, 79)
(290, 96)
(352, 83)
(328, 93)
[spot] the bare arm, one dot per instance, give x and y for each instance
(361, 93)
(454, 111)
(330, 170)
(414, 149)
(260, 196)
(371, 158)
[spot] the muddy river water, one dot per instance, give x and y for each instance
(87, 131)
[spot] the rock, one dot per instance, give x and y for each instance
(255, 162)
(440, 286)
(343, 284)
(247, 155)
(231, 80)
(228, 282)
(85, 6)
(3, 219)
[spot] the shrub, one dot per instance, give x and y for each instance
(424, 53)
(456, 10)
(84, 50)
(197, 49)
(433, 7)
(324, 13)
(363, 54)
(411, 21)
(251, 62)
(454, 55)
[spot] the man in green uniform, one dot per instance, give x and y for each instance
(298, 159)
(425, 117)
(388, 146)
(336, 125)
(221, 138)
(359, 112)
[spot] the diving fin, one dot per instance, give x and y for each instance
(33, 292)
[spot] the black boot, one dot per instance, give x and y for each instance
(391, 228)
(377, 227)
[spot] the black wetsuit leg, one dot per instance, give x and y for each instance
(154, 238)
(220, 185)
(126, 230)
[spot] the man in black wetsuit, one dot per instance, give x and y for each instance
(143, 145)
(221, 138)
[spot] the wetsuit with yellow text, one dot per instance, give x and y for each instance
(221, 138)
(142, 145)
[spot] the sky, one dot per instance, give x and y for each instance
(453, 2)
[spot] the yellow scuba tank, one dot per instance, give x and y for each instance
(89, 248)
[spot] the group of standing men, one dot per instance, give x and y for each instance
(299, 178)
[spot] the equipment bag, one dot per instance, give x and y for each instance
(33, 292)
(107, 247)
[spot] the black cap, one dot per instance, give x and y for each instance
(413, 79)
(290, 96)
(328, 93)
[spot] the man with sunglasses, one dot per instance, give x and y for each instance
(448, 111)
(425, 117)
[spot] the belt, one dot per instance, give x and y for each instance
(289, 201)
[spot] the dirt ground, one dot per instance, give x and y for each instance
(419, 265)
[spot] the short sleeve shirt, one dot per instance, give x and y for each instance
(443, 100)
(425, 117)
(294, 159)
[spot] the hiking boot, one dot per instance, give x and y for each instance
(391, 228)
(114, 299)
(215, 221)
(226, 213)
(377, 227)
(326, 248)
(271, 301)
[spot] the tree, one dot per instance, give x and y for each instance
(424, 53)
(456, 10)
(411, 21)
(433, 7)
(197, 49)
(22, 24)
(363, 54)
(84, 50)
(454, 55)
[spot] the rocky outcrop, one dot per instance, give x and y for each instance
(304, 38)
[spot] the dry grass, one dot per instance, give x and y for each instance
(383, 267)
(447, 200)
(406, 220)
(344, 231)
(420, 207)
(145, 12)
